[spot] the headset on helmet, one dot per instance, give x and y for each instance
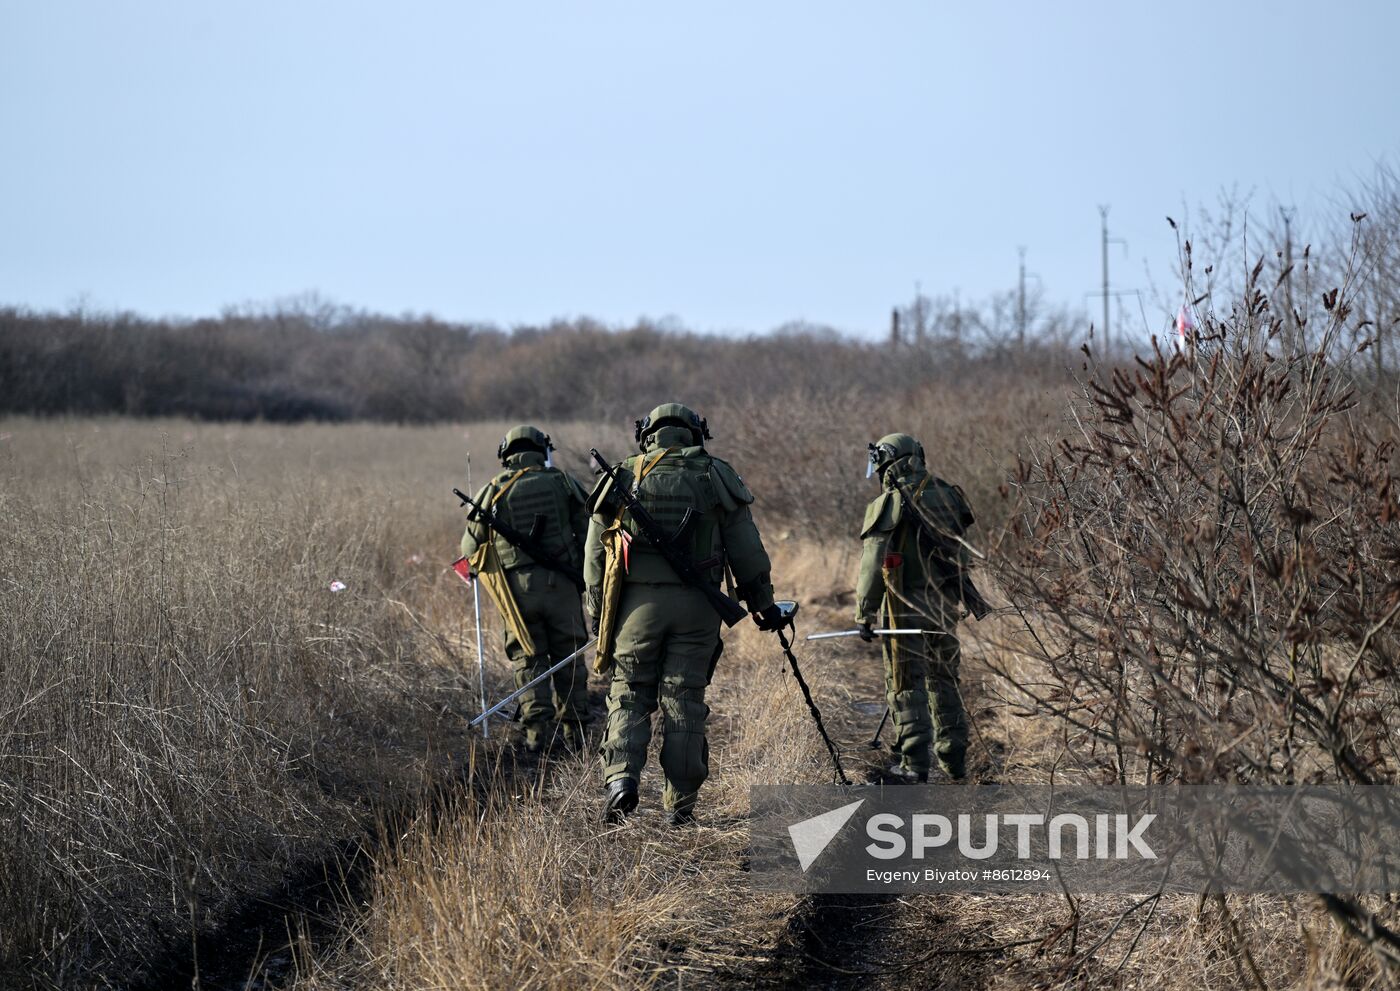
(677, 415)
(525, 436)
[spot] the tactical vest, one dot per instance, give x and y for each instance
(520, 497)
(668, 483)
(944, 507)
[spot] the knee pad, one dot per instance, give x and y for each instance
(685, 709)
(910, 706)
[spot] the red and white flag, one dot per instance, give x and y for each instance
(463, 567)
(1185, 326)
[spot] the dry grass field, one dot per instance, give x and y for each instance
(189, 714)
(205, 749)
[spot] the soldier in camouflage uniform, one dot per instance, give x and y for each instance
(666, 635)
(528, 488)
(901, 584)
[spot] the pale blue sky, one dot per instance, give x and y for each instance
(736, 165)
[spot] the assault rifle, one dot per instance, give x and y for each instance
(945, 570)
(670, 545)
(527, 542)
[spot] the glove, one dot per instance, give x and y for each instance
(770, 619)
(866, 633)
(593, 599)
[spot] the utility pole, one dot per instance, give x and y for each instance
(1021, 303)
(1106, 292)
(1103, 216)
(920, 316)
(1289, 339)
(894, 327)
(1022, 319)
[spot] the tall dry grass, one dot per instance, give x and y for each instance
(521, 886)
(186, 709)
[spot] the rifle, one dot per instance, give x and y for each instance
(946, 571)
(527, 542)
(669, 545)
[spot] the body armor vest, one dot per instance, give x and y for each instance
(944, 508)
(521, 497)
(669, 483)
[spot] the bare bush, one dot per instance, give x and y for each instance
(1208, 563)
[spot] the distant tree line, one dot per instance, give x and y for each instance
(304, 359)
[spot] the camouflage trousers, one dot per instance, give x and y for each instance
(921, 682)
(667, 647)
(550, 605)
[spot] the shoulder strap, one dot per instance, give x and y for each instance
(507, 484)
(645, 470)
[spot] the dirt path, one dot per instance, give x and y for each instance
(830, 941)
(879, 941)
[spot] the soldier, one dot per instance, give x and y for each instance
(909, 570)
(543, 612)
(660, 635)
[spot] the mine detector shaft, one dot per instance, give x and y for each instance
(480, 647)
(559, 665)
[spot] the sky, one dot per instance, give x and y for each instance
(731, 166)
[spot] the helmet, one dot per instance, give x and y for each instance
(673, 414)
(891, 448)
(524, 438)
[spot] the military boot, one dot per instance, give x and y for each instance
(902, 774)
(683, 813)
(538, 734)
(575, 736)
(953, 764)
(622, 801)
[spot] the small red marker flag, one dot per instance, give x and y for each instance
(463, 567)
(1185, 327)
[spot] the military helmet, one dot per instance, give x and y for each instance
(891, 448)
(673, 414)
(524, 437)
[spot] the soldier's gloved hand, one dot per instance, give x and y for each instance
(867, 633)
(770, 619)
(593, 624)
